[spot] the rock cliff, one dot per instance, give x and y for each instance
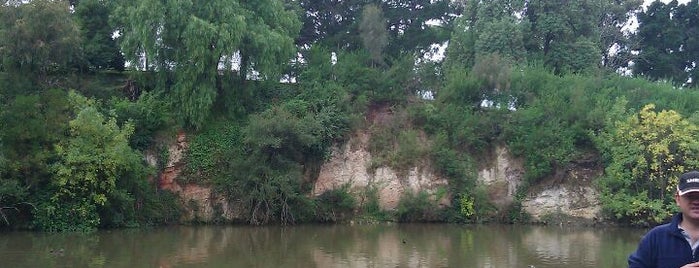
(568, 194)
(349, 165)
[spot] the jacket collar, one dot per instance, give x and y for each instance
(675, 224)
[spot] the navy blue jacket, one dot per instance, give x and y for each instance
(663, 246)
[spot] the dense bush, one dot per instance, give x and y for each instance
(646, 153)
(335, 205)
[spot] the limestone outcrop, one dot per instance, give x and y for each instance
(349, 165)
(568, 193)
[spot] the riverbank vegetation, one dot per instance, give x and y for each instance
(265, 88)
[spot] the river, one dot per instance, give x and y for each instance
(382, 245)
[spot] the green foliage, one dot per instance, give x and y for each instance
(37, 38)
(516, 214)
(396, 144)
(32, 124)
(262, 142)
(411, 24)
(12, 194)
(148, 115)
(276, 146)
(67, 216)
(503, 37)
(211, 150)
(155, 207)
(567, 38)
(193, 41)
(400, 82)
(90, 163)
(353, 71)
(334, 24)
(373, 31)
(336, 205)
(550, 124)
(471, 205)
(417, 207)
(668, 44)
(647, 152)
(452, 163)
(100, 51)
(370, 209)
(466, 206)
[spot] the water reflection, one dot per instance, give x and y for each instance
(401, 245)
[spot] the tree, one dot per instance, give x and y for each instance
(334, 24)
(414, 25)
(646, 153)
(564, 35)
(91, 161)
(191, 44)
(372, 30)
(616, 14)
(37, 38)
(567, 38)
(668, 42)
(503, 37)
(32, 124)
(100, 50)
(330, 23)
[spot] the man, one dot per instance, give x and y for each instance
(674, 244)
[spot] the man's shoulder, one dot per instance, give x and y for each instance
(663, 229)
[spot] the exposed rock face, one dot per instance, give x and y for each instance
(569, 192)
(350, 165)
(501, 177)
(200, 202)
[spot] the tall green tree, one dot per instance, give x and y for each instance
(612, 34)
(100, 50)
(372, 30)
(37, 38)
(335, 24)
(414, 25)
(330, 23)
(566, 38)
(90, 162)
(190, 43)
(668, 42)
(31, 125)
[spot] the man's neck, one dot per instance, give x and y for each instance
(690, 226)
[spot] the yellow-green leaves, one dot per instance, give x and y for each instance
(665, 139)
(90, 162)
(647, 152)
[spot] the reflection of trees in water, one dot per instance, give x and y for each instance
(49, 250)
(563, 246)
(384, 246)
(394, 245)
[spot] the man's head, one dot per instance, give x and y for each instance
(689, 182)
(687, 197)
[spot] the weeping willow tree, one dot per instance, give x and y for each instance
(189, 43)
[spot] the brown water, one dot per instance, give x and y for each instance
(395, 245)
